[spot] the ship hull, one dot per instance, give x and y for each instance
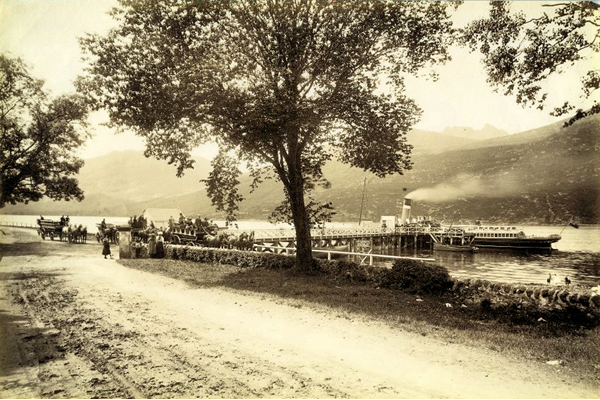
(456, 248)
(515, 243)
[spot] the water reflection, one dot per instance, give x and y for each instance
(502, 266)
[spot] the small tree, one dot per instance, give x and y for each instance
(39, 137)
(521, 53)
(281, 85)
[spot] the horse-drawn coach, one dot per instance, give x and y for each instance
(107, 230)
(50, 228)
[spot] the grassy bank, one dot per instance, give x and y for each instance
(576, 345)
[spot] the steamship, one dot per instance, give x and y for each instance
(492, 237)
(509, 237)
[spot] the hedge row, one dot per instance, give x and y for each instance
(408, 275)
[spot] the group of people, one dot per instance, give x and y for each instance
(138, 222)
(156, 245)
(64, 221)
(155, 238)
(190, 226)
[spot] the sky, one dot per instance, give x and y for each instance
(44, 34)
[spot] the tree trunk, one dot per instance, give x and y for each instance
(304, 259)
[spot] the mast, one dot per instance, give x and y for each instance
(362, 201)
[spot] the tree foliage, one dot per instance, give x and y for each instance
(521, 53)
(39, 138)
(281, 85)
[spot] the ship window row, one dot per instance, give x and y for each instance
(495, 235)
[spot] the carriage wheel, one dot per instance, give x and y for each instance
(176, 239)
(43, 236)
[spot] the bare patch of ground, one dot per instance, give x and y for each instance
(74, 325)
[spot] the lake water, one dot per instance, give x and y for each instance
(576, 255)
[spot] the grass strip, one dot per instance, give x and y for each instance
(577, 347)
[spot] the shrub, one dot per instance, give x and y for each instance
(349, 270)
(417, 277)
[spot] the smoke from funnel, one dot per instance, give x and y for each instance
(465, 185)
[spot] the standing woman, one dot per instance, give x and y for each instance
(106, 248)
(152, 245)
(160, 246)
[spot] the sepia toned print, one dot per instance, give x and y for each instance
(299, 199)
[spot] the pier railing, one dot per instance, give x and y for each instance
(364, 256)
(18, 224)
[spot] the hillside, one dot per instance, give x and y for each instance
(485, 133)
(544, 175)
(540, 176)
(425, 142)
(123, 183)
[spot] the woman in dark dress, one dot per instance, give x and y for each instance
(106, 248)
(152, 245)
(160, 245)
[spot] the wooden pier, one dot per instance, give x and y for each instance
(357, 240)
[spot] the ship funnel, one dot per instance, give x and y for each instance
(405, 211)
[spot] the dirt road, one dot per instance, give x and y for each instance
(74, 325)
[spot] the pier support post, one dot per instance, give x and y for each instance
(124, 242)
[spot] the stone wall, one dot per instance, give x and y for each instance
(475, 290)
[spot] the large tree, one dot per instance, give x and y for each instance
(39, 137)
(522, 52)
(283, 86)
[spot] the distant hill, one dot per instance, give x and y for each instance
(426, 142)
(544, 175)
(539, 176)
(123, 183)
(129, 175)
(485, 133)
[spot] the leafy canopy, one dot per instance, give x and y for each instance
(284, 84)
(521, 53)
(38, 139)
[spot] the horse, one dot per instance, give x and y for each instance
(113, 234)
(75, 234)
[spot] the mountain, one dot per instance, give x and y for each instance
(129, 175)
(426, 142)
(485, 133)
(124, 183)
(544, 175)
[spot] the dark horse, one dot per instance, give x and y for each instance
(110, 233)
